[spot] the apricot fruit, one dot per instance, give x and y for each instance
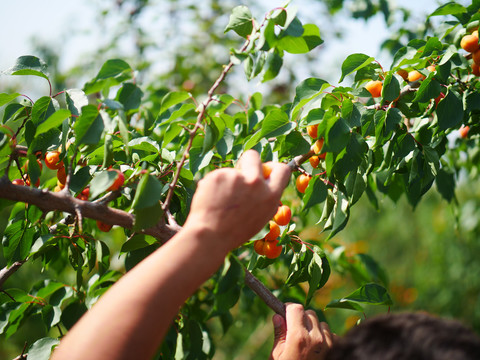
(403, 74)
(84, 194)
(18, 182)
(274, 232)
(469, 43)
(317, 148)
(476, 57)
(302, 182)
(103, 227)
(119, 180)
(52, 160)
(463, 131)
(271, 249)
(374, 87)
(267, 170)
(314, 161)
(283, 215)
(415, 75)
(475, 69)
(62, 175)
(312, 131)
(258, 247)
(431, 68)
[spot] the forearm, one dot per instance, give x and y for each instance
(131, 319)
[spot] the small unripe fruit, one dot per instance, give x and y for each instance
(274, 232)
(283, 215)
(374, 88)
(302, 182)
(312, 130)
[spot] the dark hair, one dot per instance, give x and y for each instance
(412, 336)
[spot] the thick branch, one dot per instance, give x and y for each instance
(62, 201)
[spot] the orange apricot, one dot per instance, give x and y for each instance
(403, 73)
(317, 148)
(476, 57)
(314, 161)
(438, 98)
(302, 182)
(84, 194)
(271, 249)
(119, 180)
(274, 232)
(469, 43)
(415, 75)
(374, 87)
(62, 175)
(283, 215)
(312, 130)
(258, 247)
(103, 227)
(267, 170)
(431, 68)
(475, 69)
(18, 182)
(52, 160)
(463, 131)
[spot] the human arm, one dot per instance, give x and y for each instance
(300, 335)
(131, 319)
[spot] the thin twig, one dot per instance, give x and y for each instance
(6, 272)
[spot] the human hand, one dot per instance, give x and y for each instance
(234, 204)
(300, 336)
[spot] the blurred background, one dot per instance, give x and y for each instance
(429, 254)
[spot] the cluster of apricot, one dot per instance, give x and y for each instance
(470, 44)
(268, 246)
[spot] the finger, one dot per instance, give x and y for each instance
(251, 165)
(327, 334)
(279, 177)
(279, 329)
(313, 323)
(295, 317)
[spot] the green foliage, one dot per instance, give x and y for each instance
(397, 145)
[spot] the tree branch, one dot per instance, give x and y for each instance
(6, 272)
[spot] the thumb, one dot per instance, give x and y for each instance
(279, 329)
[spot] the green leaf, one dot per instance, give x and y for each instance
(130, 95)
(139, 241)
(42, 109)
(315, 193)
(272, 67)
(72, 313)
(6, 98)
(391, 88)
(449, 111)
(173, 98)
(101, 182)
(29, 65)
(42, 348)
(53, 121)
(319, 274)
(112, 69)
(340, 214)
(211, 137)
(241, 21)
(344, 304)
(146, 217)
(450, 8)
(308, 40)
(149, 192)
(89, 126)
(306, 91)
(372, 294)
(275, 124)
(75, 99)
(354, 63)
(429, 89)
(295, 144)
(337, 136)
(445, 181)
